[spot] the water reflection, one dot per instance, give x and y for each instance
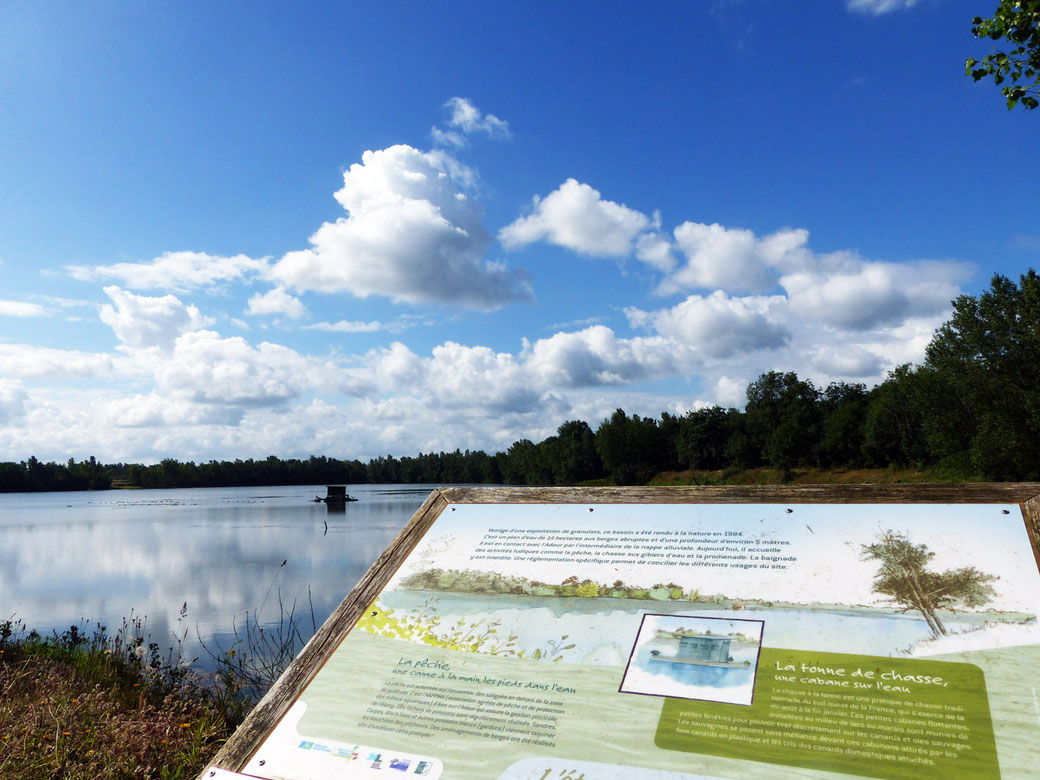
(102, 555)
(692, 674)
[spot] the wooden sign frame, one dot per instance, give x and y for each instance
(236, 753)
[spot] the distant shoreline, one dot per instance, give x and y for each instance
(728, 606)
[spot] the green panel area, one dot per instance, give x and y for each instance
(859, 714)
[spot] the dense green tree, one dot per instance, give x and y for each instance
(893, 425)
(631, 448)
(742, 452)
(668, 441)
(521, 465)
(13, 478)
(843, 411)
(984, 375)
(33, 475)
(1017, 22)
(487, 468)
(91, 473)
(782, 418)
(702, 437)
(570, 456)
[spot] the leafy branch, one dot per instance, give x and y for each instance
(1017, 21)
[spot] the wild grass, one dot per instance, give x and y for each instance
(74, 705)
(256, 655)
(94, 705)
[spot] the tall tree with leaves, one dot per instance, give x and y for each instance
(984, 371)
(782, 418)
(570, 456)
(631, 448)
(892, 434)
(843, 408)
(1017, 21)
(702, 437)
(904, 577)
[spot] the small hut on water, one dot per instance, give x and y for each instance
(336, 494)
(704, 648)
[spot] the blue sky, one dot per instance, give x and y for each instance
(232, 230)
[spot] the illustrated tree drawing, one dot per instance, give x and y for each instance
(904, 577)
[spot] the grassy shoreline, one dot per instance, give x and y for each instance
(107, 706)
(804, 476)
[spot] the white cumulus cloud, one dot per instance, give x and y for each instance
(576, 217)
(276, 301)
(13, 402)
(837, 317)
(850, 360)
(467, 118)
(655, 250)
(411, 235)
(207, 368)
(27, 362)
(21, 309)
(477, 381)
(462, 377)
(397, 367)
(845, 291)
(859, 298)
(718, 325)
(596, 356)
(175, 271)
(732, 259)
(155, 410)
(454, 379)
(839, 290)
(729, 391)
(447, 137)
(140, 321)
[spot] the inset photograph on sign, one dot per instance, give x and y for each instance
(691, 657)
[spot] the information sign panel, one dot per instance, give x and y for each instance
(722, 636)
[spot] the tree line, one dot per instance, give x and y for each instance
(970, 410)
(33, 475)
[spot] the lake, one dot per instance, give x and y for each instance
(102, 555)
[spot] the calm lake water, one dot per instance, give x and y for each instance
(100, 556)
